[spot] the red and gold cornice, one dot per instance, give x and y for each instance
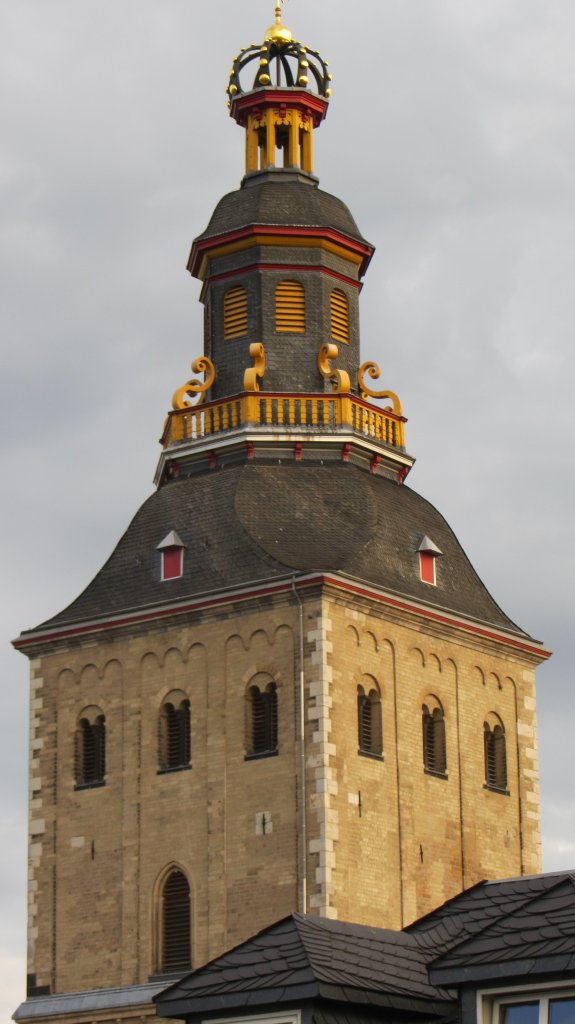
(330, 240)
(306, 102)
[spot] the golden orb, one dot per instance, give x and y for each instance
(278, 33)
(264, 80)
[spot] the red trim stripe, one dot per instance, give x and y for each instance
(282, 268)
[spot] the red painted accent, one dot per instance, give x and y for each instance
(212, 459)
(345, 450)
(250, 449)
(365, 250)
(96, 627)
(375, 463)
(402, 474)
(172, 563)
(300, 268)
(427, 566)
(297, 451)
(300, 99)
(172, 470)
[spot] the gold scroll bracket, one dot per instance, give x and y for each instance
(251, 374)
(372, 370)
(339, 378)
(182, 397)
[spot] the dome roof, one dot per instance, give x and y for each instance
(246, 524)
(293, 203)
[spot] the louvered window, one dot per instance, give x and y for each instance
(235, 313)
(370, 739)
(495, 757)
(176, 924)
(339, 315)
(262, 721)
(290, 308)
(175, 736)
(91, 751)
(434, 748)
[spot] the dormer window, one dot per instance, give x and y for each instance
(428, 552)
(172, 556)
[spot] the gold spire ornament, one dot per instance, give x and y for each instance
(278, 33)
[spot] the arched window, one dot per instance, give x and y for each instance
(495, 754)
(176, 924)
(235, 313)
(90, 749)
(339, 316)
(369, 730)
(290, 308)
(261, 719)
(175, 747)
(434, 748)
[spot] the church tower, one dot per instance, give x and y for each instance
(287, 688)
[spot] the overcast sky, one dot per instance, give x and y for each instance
(451, 136)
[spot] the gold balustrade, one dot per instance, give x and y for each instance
(324, 412)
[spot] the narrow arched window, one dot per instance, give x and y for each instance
(290, 308)
(235, 313)
(495, 756)
(262, 720)
(369, 729)
(434, 747)
(175, 747)
(90, 749)
(339, 316)
(176, 924)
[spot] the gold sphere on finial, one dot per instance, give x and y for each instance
(278, 33)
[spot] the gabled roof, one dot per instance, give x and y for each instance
(537, 937)
(303, 958)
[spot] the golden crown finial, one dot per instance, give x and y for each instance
(278, 33)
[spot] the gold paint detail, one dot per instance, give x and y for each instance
(372, 370)
(290, 307)
(235, 313)
(251, 374)
(278, 33)
(197, 422)
(291, 241)
(339, 315)
(181, 399)
(339, 378)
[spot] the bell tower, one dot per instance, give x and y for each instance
(287, 688)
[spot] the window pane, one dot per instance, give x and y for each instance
(521, 1013)
(562, 1011)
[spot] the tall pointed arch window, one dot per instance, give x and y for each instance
(434, 745)
(369, 725)
(175, 924)
(290, 307)
(261, 718)
(495, 752)
(339, 315)
(174, 733)
(90, 749)
(235, 313)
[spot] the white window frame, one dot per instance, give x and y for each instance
(491, 1001)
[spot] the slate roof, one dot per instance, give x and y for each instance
(246, 524)
(302, 958)
(291, 203)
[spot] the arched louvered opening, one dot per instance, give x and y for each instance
(434, 747)
(495, 756)
(90, 752)
(175, 748)
(235, 313)
(339, 316)
(290, 308)
(262, 721)
(369, 724)
(176, 932)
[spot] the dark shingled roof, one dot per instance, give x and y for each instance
(292, 203)
(304, 957)
(245, 524)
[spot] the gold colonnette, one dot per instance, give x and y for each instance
(372, 370)
(181, 398)
(280, 409)
(339, 378)
(251, 374)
